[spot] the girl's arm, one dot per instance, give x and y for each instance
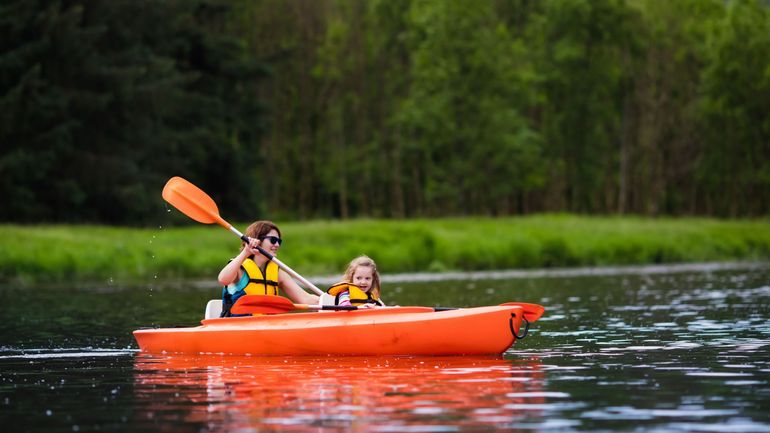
(293, 290)
(344, 298)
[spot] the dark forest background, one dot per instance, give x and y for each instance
(298, 109)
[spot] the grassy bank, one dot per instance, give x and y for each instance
(60, 253)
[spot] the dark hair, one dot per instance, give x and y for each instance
(258, 229)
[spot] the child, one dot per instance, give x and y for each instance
(360, 285)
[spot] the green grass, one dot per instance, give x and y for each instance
(58, 253)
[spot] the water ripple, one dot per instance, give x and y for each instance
(85, 352)
(632, 413)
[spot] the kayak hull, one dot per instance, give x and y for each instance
(381, 331)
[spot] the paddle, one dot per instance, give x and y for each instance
(196, 204)
(266, 304)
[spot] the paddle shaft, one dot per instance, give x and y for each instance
(266, 304)
(326, 307)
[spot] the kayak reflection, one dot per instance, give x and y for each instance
(216, 393)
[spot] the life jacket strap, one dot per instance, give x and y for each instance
(228, 300)
(363, 301)
(262, 281)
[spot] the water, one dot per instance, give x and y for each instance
(637, 350)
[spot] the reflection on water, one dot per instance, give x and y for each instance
(398, 394)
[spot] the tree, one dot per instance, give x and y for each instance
(661, 138)
(103, 101)
(472, 149)
(580, 47)
(735, 166)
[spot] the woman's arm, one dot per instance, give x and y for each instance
(232, 271)
(294, 291)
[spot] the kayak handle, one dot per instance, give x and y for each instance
(513, 331)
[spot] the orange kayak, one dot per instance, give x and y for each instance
(380, 331)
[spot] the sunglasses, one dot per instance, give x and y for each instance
(275, 240)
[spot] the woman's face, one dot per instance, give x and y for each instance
(267, 242)
(362, 278)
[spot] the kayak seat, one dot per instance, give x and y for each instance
(213, 309)
(326, 299)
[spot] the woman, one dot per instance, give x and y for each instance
(251, 273)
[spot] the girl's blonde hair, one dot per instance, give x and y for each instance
(364, 261)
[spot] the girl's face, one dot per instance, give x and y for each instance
(362, 278)
(267, 242)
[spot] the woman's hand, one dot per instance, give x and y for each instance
(251, 247)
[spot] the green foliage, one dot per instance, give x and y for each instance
(735, 110)
(464, 110)
(295, 109)
(97, 253)
(103, 101)
(580, 55)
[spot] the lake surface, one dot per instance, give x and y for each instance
(642, 350)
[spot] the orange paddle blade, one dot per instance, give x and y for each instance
(532, 312)
(192, 201)
(264, 304)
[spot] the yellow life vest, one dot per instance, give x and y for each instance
(261, 284)
(357, 296)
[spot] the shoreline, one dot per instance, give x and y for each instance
(426, 277)
(403, 249)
